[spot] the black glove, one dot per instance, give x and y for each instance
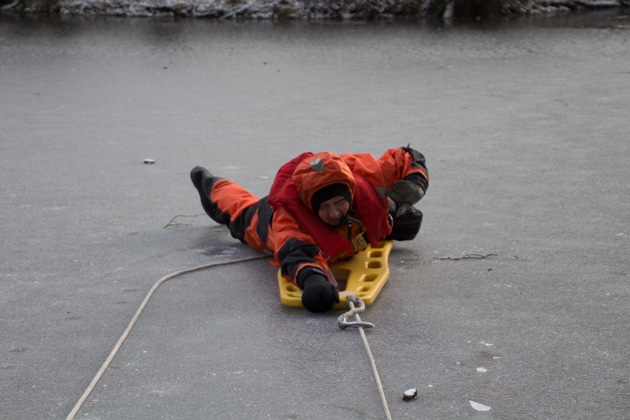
(318, 295)
(406, 191)
(407, 221)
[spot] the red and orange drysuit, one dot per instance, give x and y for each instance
(284, 224)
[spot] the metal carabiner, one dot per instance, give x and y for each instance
(343, 322)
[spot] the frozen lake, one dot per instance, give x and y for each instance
(525, 127)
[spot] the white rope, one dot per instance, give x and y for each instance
(359, 324)
(125, 334)
(354, 311)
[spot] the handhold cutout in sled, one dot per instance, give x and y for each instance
(364, 276)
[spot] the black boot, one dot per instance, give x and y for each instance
(204, 181)
(197, 176)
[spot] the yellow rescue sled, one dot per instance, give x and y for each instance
(364, 275)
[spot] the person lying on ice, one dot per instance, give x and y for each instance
(322, 208)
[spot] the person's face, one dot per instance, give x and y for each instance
(333, 211)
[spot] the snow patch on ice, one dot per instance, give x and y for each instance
(478, 406)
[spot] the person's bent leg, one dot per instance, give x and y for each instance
(229, 204)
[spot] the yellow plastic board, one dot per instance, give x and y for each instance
(364, 275)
